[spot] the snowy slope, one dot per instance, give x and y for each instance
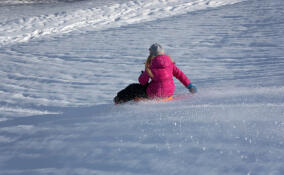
(56, 111)
(53, 78)
(98, 17)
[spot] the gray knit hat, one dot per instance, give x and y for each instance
(156, 49)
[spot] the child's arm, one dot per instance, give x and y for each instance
(184, 80)
(143, 78)
(180, 76)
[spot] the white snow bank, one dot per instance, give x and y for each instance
(24, 29)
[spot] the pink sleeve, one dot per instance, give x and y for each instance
(180, 76)
(143, 78)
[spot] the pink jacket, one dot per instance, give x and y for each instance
(162, 84)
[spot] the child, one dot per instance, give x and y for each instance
(160, 69)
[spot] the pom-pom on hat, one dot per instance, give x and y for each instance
(156, 49)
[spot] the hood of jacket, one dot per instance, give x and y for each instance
(161, 61)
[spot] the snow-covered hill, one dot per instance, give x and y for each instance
(60, 69)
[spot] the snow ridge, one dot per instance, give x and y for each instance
(97, 18)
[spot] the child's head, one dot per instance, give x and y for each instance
(156, 49)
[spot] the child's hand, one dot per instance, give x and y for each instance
(192, 88)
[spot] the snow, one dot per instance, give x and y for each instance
(62, 62)
(98, 18)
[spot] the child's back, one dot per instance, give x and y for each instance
(162, 84)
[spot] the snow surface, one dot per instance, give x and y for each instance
(62, 62)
